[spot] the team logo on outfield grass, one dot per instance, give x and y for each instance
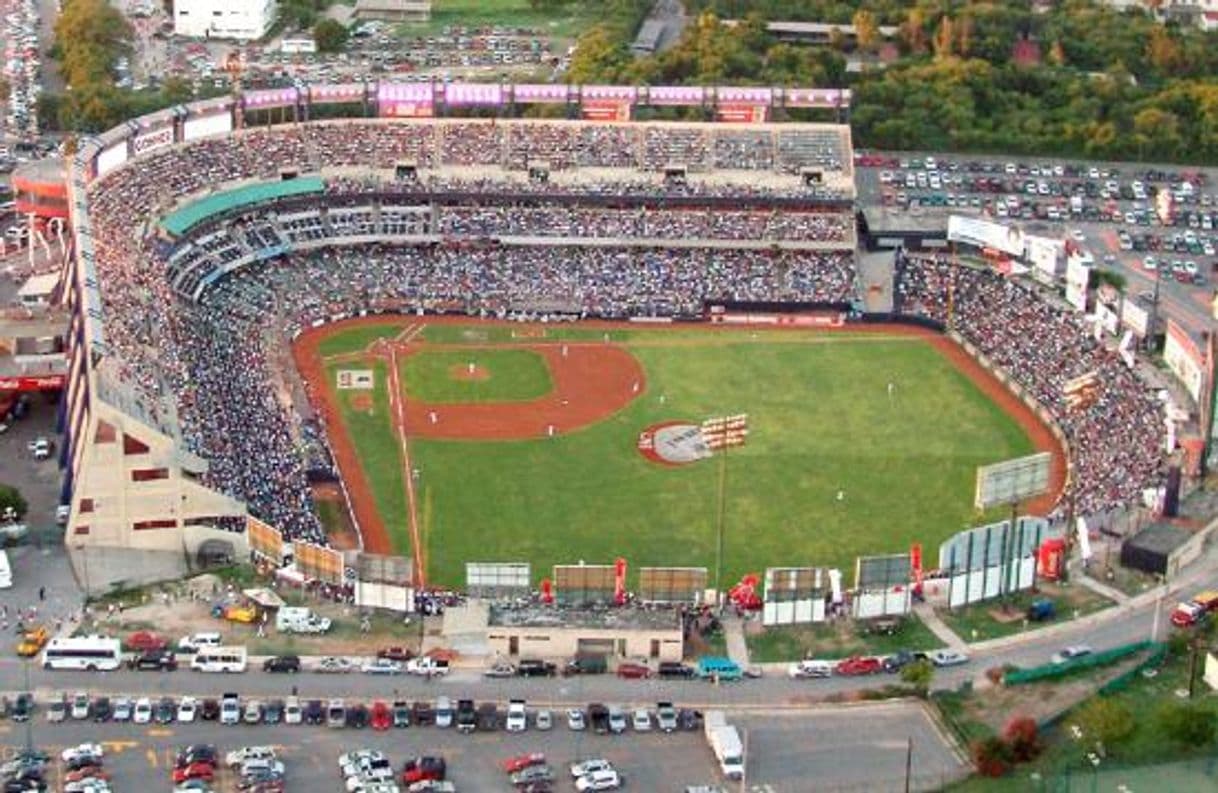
(354, 379)
(674, 443)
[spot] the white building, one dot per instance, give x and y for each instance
(223, 19)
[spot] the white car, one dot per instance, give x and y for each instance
(947, 658)
(544, 720)
(599, 780)
(576, 720)
(292, 713)
(246, 753)
(187, 709)
(810, 669)
(517, 716)
(617, 720)
(1078, 235)
(641, 720)
(334, 665)
(382, 666)
(80, 705)
(122, 710)
(1071, 652)
(143, 711)
(83, 750)
(590, 767)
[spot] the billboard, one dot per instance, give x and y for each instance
(1135, 317)
(375, 568)
(580, 585)
(1012, 481)
(111, 158)
(264, 539)
(497, 579)
(1184, 358)
(816, 97)
(746, 95)
(406, 100)
(319, 563)
(672, 584)
(993, 560)
(152, 139)
(543, 93)
(1078, 274)
(795, 595)
(335, 93)
(986, 234)
(742, 113)
(469, 94)
(1042, 254)
(675, 95)
(1107, 318)
(883, 585)
(271, 97)
(205, 126)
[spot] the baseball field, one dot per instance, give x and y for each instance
(463, 441)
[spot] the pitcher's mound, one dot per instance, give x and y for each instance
(465, 373)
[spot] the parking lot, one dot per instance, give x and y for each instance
(846, 748)
(21, 68)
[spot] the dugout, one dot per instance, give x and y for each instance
(1160, 549)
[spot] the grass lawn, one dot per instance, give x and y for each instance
(567, 22)
(835, 640)
(508, 375)
(821, 422)
(981, 621)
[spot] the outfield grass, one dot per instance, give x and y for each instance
(821, 422)
(512, 375)
(836, 640)
(980, 621)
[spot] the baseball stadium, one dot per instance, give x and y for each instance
(403, 319)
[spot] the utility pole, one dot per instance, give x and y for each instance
(721, 433)
(908, 763)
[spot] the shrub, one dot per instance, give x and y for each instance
(1023, 737)
(992, 756)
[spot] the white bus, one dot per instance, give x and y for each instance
(6, 572)
(219, 659)
(92, 653)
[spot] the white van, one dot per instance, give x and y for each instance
(219, 659)
(6, 572)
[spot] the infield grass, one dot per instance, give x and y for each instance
(821, 423)
(509, 375)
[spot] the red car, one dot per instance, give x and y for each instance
(88, 772)
(146, 641)
(395, 654)
(522, 761)
(204, 771)
(419, 768)
(632, 671)
(381, 717)
(860, 665)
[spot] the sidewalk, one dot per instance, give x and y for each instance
(926, 613)
(1100, 588)
(733, 635)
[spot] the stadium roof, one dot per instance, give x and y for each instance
(194, 213)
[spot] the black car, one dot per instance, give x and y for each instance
(165, 711)
(901, 659)
(689, 720)
(532, 667)
(488, 717)
(586, 665)
(598, 716)
(195, 753)
(467, 716)
(313, 712)
(401, 713)
(357, 716)
(423, 714)
(209, 710)
(282, 663)
(154, 661)
(274, 712)
(23, 707)
(674, 669)
(102, 709)
(82, 761)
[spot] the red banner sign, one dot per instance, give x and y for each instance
(43, 383)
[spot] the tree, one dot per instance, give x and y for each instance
(330, 35)
(1162, 50)
(944, 38)
(918, 674)
(866, 30)
(600, 56)
(1105, 720)
(913, 31)
(90, 37)
(992, 756)
(1023, 737)
(1057, 55)
(11, 498)
(964, 36)
(1187, 724)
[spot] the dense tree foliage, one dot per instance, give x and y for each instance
(331, 36)
(1090, 80)
(11, 499)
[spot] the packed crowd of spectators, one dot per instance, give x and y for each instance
(1116, 443)
(212, 370)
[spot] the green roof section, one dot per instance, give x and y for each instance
(183, 220)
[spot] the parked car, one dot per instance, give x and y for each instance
(810, 669)
(859, 665)
(586, 665)
(400, 654)
(282, 663)
(666, 717)
(948, 658)
(154, 660)
(576, 720)
(521, 761)
(633, 671)
(532, 667)
(313, 712)
(674, 669)
(382, 666)
(1071, 652)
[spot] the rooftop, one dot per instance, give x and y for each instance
(595, 619)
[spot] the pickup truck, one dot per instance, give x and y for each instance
(467, 716)
(426, 667)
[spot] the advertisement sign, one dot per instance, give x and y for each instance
(986, 234)
(1107, 318)
(413, 100)
(742, 113)
(264, 539)
(618, 93)
(816, 97)
(32, 383)
(152, 140)
(111, 158)
(319, 563)
(1184, 358)
(527, 93)
(751, 95)
(354, 379)
(205, 126)
(473, 94)
(675, 95)
(272, 97)
(1077, 276)
(334, 93)
(605, 110)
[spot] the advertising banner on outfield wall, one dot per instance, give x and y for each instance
(111, 158)
(1043, 254)
(264, 540)
(204, 126)
(1078, 273)
(986, 234)
(1184, 358)
(151, 140)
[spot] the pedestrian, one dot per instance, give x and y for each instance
(42, 593)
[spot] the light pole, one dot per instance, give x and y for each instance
(721, 433)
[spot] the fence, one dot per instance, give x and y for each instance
(1017, 677)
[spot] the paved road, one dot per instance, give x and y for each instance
(863, 748)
